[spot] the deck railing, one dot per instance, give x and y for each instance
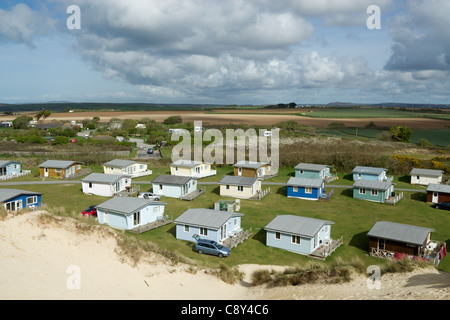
(15, 175)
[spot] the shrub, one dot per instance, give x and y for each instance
(173, 120)
(60, 140)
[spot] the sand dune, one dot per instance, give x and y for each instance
(59, 261)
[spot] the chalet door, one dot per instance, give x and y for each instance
(223, 232)
(239, 171)
(435, 197)
(381, 244)
(137, 218)
(45, 172)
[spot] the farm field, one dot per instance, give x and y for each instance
(266, 117)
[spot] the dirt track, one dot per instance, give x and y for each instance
(253, 119)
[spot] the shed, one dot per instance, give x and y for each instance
(209, 224)
(297, 234)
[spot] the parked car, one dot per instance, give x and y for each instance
(149, 196)
(150, 151)
(211, 247)
(442, 205)
(90, 212)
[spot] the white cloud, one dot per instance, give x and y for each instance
(21, 24)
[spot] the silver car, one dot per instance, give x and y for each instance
(149, 196)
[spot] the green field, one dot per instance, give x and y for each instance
(353, 219)
(438, 137)
(371, 113)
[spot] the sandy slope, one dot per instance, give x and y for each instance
(40, 261)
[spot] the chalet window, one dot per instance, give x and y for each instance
(277, 236)
(228, 187)
(156, 209)
(308, 190)
(374, 192)
(203, 231)
(78, 166)
(186, 228)
(58, 170)
(240, 188)
(362, 190)
(300, 171)
(295, 189)
(235, 221)
(31, 200)
(295, 239)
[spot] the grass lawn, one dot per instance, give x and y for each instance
(353, 219)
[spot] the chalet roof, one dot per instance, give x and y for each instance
(119, 163)
(205, 217)
(371, 184)
(168, 179)
(399, 232)
(126, 205)
(104, 178)
(249, 164)
(7, 194)
(238, 180)
(186, 163)
(436, 187)
(310, 166)
(368, 170)
(305, 182)
(4, 163)
(426, 172)
(303, 226)
(60, 164)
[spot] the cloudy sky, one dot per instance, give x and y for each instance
(225, 51)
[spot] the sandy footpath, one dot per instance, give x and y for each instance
(59, 262)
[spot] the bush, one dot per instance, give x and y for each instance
(173, 120)
(60, 140)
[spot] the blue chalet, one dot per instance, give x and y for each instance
(370, 173)
(298, 234)
(9, 168)
(15, 199)
(312, 171)
(127, 213)
(303, 188)
(208, 224)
